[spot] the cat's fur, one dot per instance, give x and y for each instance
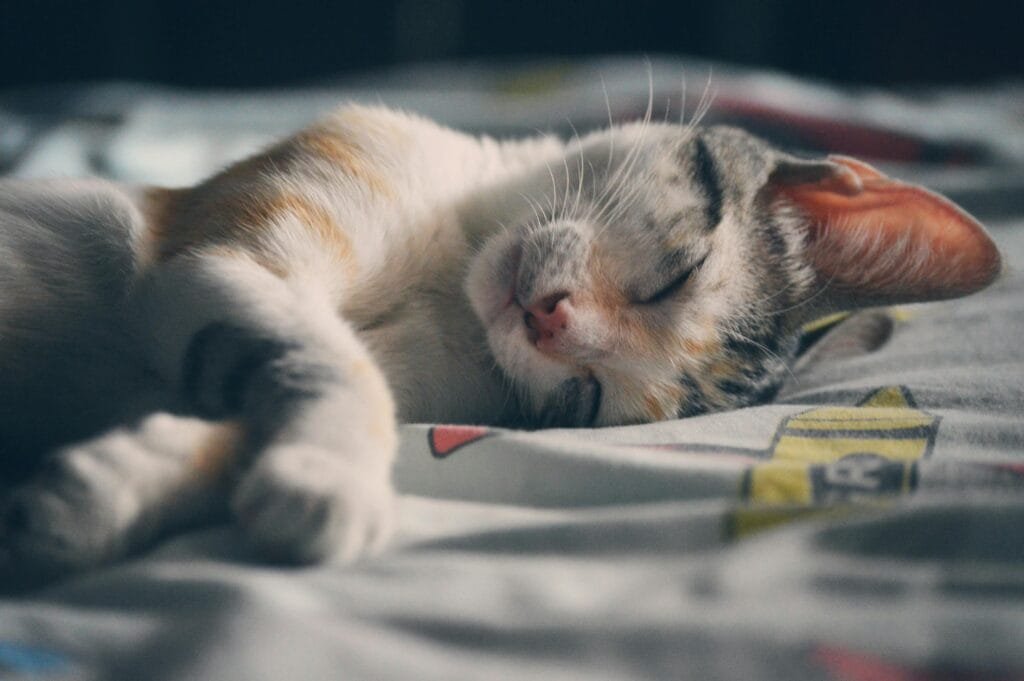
(379, 267)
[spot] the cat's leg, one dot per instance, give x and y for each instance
(313, 477)
(103, 499)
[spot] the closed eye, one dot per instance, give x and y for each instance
(674, 286)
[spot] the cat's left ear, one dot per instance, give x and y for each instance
(875, 240)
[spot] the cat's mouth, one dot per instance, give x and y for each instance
(553, 326)
(575, 403)
(546, 358)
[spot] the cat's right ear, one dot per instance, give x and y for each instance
(875, 241)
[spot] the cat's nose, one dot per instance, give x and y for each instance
(547, 318)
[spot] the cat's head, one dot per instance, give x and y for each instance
(662, 271)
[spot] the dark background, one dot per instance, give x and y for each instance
(212, 43)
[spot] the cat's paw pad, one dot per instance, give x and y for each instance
(302, 504)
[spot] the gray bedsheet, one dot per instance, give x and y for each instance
(867, 525)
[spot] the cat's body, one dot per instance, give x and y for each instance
(388, 251)
(378, 264)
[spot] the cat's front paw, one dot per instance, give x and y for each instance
(65, 521)
(302, 504)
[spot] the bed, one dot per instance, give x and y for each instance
(868, 524)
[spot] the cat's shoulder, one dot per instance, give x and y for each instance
(375, 118)
(377, 129)
(80, 209)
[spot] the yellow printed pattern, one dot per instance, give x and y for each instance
(837, 453)
(745, 521)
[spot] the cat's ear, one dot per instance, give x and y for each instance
(875, 240)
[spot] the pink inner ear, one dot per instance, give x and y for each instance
(882, 241)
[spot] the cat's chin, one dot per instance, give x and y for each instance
(536, 376)
(516, 352)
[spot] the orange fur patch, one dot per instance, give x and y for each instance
(655, 402)
(654, 408)
(693, 348)
(240, 205)
(242, 221)
(700, 349)
(662, 403)
(214, 456)
(615, 307)
(313, 216)
(158, 208)
(344, 154)
(723, 368)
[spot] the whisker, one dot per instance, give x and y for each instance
(840, 224)
(704, 104)
(806, 301)
(538, 210)
(617, 184)
(564, 209)
(682, 102)
(579, 185)
(768, 351)
(772, 296)
(611, 126)
(554, 190)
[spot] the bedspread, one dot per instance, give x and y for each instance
(868, 524)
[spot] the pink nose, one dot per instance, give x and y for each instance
(548, 317)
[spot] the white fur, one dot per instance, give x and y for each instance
(423, 318)
(321, 485)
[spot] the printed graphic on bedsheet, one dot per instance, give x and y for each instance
(826, 458)
(837, 454)
(444, 440)
(830, 459)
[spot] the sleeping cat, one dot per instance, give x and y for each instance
(249, 343)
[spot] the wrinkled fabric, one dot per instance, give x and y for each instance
(869, 524)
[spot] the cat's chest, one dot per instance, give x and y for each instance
(415, 318)
(436, 362)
